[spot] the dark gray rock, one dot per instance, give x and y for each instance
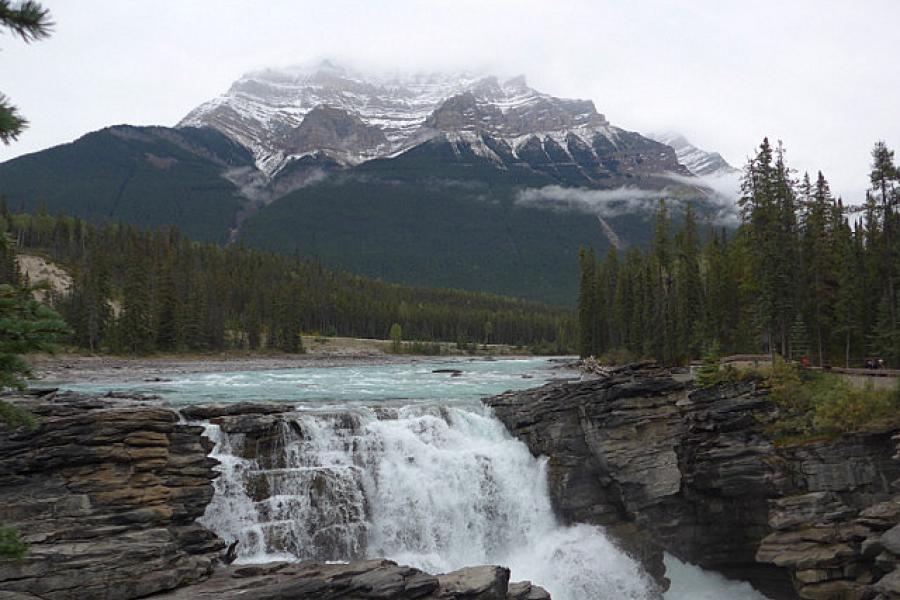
(890, 540)
(210, 411)
(475, 583)
(371, 579)
(525, 590)
(692, 472)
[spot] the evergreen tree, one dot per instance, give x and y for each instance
(587, 304)
(689, 290)
(883, 177)
(168, 310)
(9, 264)
(29, 21)
(136, 329)
(26, 326)
(849, 303)
(87, 307)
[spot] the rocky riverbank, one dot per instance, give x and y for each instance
(106, 493)
(692, 472)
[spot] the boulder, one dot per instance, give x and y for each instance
(890, 540)
(475, 583)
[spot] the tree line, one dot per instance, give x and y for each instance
(803, 275)
(139, 291)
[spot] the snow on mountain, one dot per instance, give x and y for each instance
(262, 110)
(350, 117)
(699, 162)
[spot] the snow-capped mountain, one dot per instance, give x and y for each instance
(480, 183)
(699, 162)
(350, 118)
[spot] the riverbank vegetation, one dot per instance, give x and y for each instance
(811, 404)
(138, 292)
(804, 276)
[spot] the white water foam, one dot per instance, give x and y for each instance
(436, 488)
(436, 484)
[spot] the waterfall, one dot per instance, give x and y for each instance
(438, 488)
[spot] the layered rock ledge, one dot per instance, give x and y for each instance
(692, 472)
(375, 579)
(106, 491)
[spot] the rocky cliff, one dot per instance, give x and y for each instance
(691, 472)
(106, 492)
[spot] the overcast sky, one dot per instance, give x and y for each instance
(822, 75)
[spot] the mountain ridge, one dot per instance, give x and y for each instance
(386, 116)
(441, 180)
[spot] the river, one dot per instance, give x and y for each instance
(404, 462)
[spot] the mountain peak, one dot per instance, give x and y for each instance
(699, 162)
(375, 115)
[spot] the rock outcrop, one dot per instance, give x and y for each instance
(376, 579)
(105, 493)
(692, 472)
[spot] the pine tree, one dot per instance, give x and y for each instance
(819, 261)
(26, 326)
(9, 264)
(884, 176)
(87, 307)
(848, 301)
(136, 323)
(168, 310)
(586, 302)
(688, 289)
(610, 287)
(799, 339)
(29, 21)
(885, 339)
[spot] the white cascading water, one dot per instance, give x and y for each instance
(438, 488)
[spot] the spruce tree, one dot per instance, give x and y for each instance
(849, 304)
(884, 177)
(586, 302)
(168, 310)
(136, 330)
(29, 21)
(688, 289)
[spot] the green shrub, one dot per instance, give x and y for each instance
(15, 416)
(711, 372)
(816, 404)
(840, 408)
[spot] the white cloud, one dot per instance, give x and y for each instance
(723, 73)
(604, 203)
(628, 200)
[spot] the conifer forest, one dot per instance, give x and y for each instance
(804, 276)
